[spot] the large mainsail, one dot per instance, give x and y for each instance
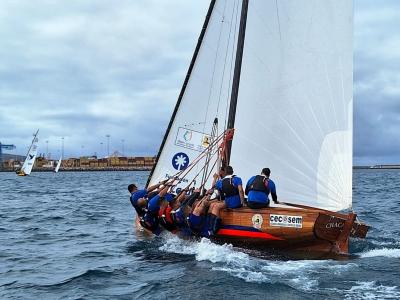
(205, 94)
(293, 112)
(294, 109)
(31, 156)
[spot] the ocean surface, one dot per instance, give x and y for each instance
(71, 236)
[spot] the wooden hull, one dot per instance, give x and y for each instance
(306, 232)
(289, 229)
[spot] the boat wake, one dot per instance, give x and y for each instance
(225, 258)
(384, 252)
(303, 275)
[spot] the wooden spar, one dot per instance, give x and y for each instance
(188, 74)
(236, 74)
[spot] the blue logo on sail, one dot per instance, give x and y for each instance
(180, 161)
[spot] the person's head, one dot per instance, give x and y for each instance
(228, 170)
(132, 188)
(266, 172)
(221, 173)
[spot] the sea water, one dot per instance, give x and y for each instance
(71, 236)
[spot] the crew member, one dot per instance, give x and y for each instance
(198, 220)
(258, 188)
(138, 197)
(231, 189)
(150, 219)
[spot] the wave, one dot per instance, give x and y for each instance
(371, 290)
(300, 274)
(385, 252)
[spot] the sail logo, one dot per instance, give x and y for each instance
(286, 221)
(187, 136)
(180, 161)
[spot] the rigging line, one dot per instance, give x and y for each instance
(213, 134)
(215, 64)
(234, 42)
(200, 156)
(208, 176)
(198, 173)
(225, 60)
(279, 22)
(198, 159)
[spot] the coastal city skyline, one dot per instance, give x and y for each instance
(92, 71)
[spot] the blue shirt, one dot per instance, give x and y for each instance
(232, 201)
(135, 196)
(260, 197)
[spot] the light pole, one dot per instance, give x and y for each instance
(101, 148)
(47, 149)
(123, 141)
(62, 147)
(108, 149)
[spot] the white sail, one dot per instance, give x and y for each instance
(294, 110)
(31, 156)
(58, 165)
(205, 96)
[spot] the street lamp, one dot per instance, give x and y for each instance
(123, 141)
(62, 147)
(108, 149)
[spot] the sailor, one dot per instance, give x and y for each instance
(181, 214)
(150, 219)
(258, 188)
(198, 220)
(138, 197)
(167, 210)
(231, 189)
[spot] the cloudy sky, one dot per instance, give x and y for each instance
(85, 69)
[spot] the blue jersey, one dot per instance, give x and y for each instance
(231, 201)
(154, 203)
(258, 196)
(135, 196)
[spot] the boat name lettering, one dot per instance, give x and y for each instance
(286, 221)
(334, 225)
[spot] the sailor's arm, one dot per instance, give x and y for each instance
(156, 186)
(241, 193)
(273, 193)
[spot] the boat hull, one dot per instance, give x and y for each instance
(288, 229)
(294, 232)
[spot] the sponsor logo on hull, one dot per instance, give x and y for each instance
(286, 221)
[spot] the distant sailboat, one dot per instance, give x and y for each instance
(26, 168)
(58, 165)
(280, 73)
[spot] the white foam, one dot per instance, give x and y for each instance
(370, 290)
(386, 252)
(225, 258)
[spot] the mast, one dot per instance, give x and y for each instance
(236, 74)
(188, 74)
(33, 140)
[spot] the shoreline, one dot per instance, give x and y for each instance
(83, 170)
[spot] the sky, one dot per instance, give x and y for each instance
(85, 69)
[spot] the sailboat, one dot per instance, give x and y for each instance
(58, 165)
(29, 162)
(280, 74)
